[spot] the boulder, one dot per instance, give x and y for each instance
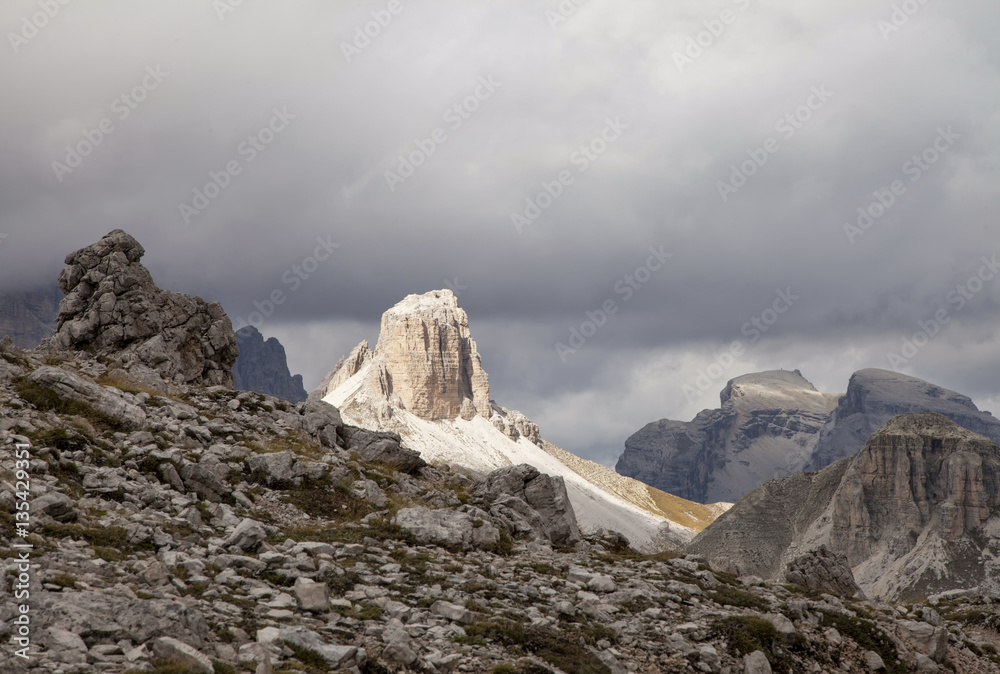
(178, 652)
(247, 535)
(56, 505)
(276, 469)
(756, 663)
(109, 401)
(312, 596)
(463, 528)
(825, 571)
(382, 447)
(322, 420)
(545, 495)
(335, 656)
(204, 480)
(113, 307)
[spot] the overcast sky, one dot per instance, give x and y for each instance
(740, 159)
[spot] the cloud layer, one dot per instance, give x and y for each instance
(744, 137)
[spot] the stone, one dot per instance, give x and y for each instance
(106, 400)
(247, 535)
(335, 656)
(178, 652)
(823, 570)
(874, 661)
(600, 583)
(263, 367)
(756, 663)
(452, 612)
(69, 647)
(276, 468)
(56, 505)
(382, 447)
(398, 646)
(322, 420)
(113, 307)
(551, 514)
(924, 638)
(453, 528)
(205, 481)
(312, 596)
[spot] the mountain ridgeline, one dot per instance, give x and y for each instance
(775, 424)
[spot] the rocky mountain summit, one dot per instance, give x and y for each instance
(113, 308)
(775, 424)
(425, 361)
(766, 427)
(425, 381)
(913, 514)
(263, 367)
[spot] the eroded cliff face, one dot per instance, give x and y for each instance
(767, 426)
(425, 361)
(263, 367)
(915, 512)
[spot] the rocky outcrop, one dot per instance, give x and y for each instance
(28, 317)
(774, 424)
(113, 308)
(875, 396)
(263, 367)
(766, 427)
(531, 501)
(914, 513)
(116, 405)
(346, 367)
(425, 360)
(823, 571)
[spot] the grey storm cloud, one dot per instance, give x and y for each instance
(467, 144)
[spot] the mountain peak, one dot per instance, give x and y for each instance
(425, 361)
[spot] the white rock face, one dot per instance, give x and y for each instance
(424, 380)
(425, 360)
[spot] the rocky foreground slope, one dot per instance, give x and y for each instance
(775, 424)
(425, 381)
(913, 514)
(221, 531)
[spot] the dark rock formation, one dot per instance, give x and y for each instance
(262, 367)
(113, 308)
(28, 317)
(913, 513)
(530, 500)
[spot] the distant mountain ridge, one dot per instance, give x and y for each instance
(263, 367)
(774, 424)
(29, 316)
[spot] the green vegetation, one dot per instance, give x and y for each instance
(868, 635)
(747, 634)
(46, 400)
(730, 596)
(561, 648)
(110, 543)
